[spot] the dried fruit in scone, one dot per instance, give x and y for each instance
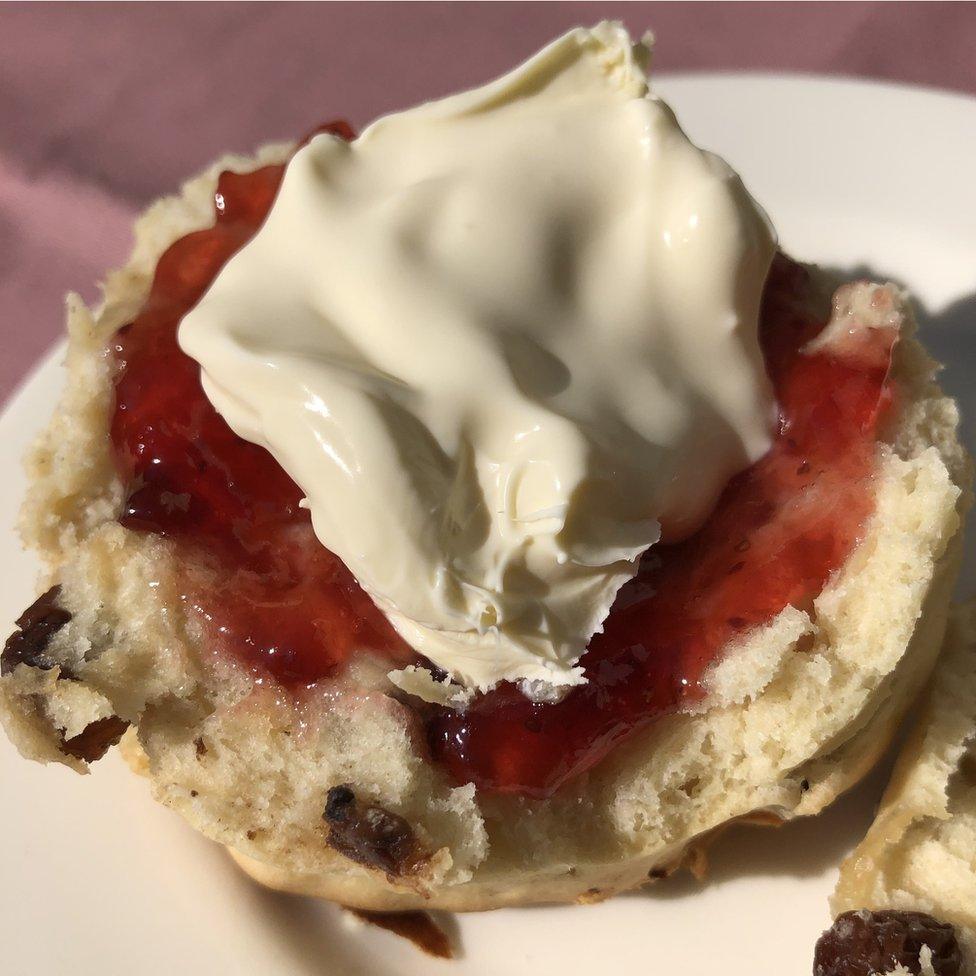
(863, 943)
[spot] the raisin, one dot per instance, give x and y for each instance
(370, 835)
(36, 626)
(416, 927)
(862, 943)
(95, 739)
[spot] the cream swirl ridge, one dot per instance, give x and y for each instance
(502, 341)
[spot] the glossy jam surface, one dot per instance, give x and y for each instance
(255, 572)
(274, 597)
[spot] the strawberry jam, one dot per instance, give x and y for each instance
(254, 570)
(269, 593)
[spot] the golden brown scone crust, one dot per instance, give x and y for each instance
(797, 712)
(920, 852)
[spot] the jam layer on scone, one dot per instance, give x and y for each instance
(269, 593)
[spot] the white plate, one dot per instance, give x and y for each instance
(97, 880)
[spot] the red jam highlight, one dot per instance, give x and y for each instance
(255, 572)
(270, 594)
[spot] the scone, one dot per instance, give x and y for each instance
(338, 741)
(920, 852)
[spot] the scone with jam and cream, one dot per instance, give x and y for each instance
(482, 511)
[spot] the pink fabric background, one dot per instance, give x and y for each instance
(105, 106)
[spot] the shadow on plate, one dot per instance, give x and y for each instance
(312, 934)
(316, 936)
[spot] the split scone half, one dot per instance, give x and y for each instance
(920, 853)
(334, 792)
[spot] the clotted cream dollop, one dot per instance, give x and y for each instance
(500, 340)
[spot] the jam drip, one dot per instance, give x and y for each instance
(271, 595)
